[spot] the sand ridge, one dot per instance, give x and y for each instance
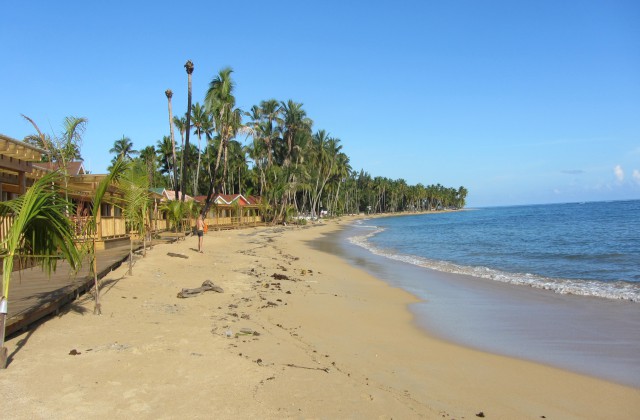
(297, 333)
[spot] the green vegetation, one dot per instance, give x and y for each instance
(40, 231)
(297, 170)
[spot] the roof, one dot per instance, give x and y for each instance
(229, 199)
(254, 200)
(73, 168)
(20, 150)
(171, 195)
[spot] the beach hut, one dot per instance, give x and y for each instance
(16, 166)
(111, 229)
(232, 210)
(162, 198)
(17, 172)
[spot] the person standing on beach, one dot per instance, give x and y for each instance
(200, 231)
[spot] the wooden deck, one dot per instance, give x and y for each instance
(33, 295)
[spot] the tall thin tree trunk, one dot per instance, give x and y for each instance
(169, 94)
(195, 182)
(185, 153)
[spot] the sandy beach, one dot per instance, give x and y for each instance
(297, 333)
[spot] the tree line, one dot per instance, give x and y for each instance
(295, 169)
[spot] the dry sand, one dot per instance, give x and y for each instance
(330, 342)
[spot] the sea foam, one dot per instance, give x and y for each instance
(619, 290)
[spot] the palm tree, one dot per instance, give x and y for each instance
(113, 177)
(185, 159)
(190, 154)
(174, 211)
(294, 120)
(40, 230)
(461, 197)
(69, 143)
(169, 95)
(202, 124)
(136, 201)
(164, 151)
(42, 141)
(123, 148)
(148, 157)
(265, 125)
(62, 148)
(181, 125)
(220, 102)
(341, 173)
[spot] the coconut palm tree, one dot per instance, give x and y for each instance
(220, 102)
(294, 120)
(148, 158)
(185, 159)
(181, 125)
(169, 95)
(123, 148)
(164, 152)
(40, 230)
(340, 174)
(203, 124)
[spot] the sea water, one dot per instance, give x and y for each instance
(557, 284)
(589, 249)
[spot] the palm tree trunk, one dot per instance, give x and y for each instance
(185, 153)
(195, 181)
(224, 173)
(173, 142)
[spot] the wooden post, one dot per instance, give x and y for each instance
(98, 233)
(22, 182)
(97, 310)
(3, 317)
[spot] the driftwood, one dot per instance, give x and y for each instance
(207, 286)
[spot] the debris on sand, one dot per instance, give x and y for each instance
(207, 286)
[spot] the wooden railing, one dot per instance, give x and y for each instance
(110, 227)
(5, 225)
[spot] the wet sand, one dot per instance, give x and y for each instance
(594, 336)
(297, 333)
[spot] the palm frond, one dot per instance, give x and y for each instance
(40, 228)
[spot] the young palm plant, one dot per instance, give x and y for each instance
(174, 213)
(41, 231)
(113, 177)
(135, 186)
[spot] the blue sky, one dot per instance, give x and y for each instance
(519, 101)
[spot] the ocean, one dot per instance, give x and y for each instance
(588, 249)
(557, 284)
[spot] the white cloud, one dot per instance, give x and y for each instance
(636, 176)
(619, 173)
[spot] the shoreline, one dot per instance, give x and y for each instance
(593, 336)
(332, 341)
